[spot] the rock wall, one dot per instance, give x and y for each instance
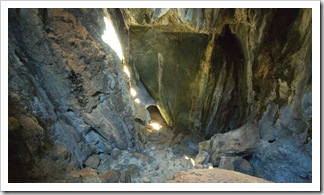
(255, 68)
(68, 99)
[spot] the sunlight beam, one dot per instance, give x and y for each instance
(155, 126)
(110, 37)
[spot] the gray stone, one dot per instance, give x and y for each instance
(93, 161)
(225, 162)
(243, 140)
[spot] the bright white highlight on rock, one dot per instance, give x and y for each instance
(186, 157)
(137, 100)
(133, 92)
(125, 69)
(155, 126)
(192, 161)
(110, 37)
(210, 167)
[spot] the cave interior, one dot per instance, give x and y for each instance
(138, 95)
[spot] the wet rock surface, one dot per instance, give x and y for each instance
(232, 88)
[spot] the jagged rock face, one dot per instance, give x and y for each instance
(68, 98)
(208, 70)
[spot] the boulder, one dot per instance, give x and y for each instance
(242, 141)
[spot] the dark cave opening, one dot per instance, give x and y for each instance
(156, 115)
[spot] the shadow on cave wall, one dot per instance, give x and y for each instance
(232, 105)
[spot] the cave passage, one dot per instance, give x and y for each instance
(156, 116)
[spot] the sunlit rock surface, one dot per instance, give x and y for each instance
(74, 118)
